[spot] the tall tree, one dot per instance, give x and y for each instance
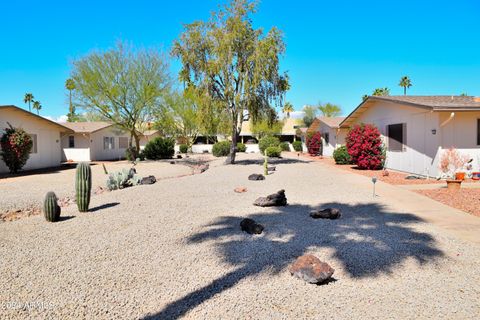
(70, 86)
(37, 106)
(329, 109)
(236, 65)
(28, 99)
(123, 85)
(310, 113)
(287, 109)
(405, 82)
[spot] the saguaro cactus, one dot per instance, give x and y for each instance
(265, 164)
(83, 186)
(51, 210)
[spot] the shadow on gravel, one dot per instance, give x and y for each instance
(271, 161)
(367, 241)
(65, 218)
(104, 206)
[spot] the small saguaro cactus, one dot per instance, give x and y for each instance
(51, 210)
(83, 186)
(265, 164)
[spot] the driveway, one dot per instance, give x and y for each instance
(175, 250)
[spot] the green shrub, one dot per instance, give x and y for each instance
(241, 147)
(268, 141)
(221, 149)
(273, 152)
(297, 146)
(131, 153)
(341, 156)
(159, 148)
(16, 145)
(285, 146)
(183, 148)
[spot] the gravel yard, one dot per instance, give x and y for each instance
(394, 177)
(174, 249)
(465, 199)
(27, 191)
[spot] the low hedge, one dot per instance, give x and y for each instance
(297, 146)
(273, 152)
(268, 141)
(341, 156)
(285, 146)
(241, 147)
(221, 149)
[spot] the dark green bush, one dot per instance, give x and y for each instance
(268, 141)
(131, 153)
(241, 147)
(341, 156)
(297, 146)
(273, 152)
(285, 146)
(159, 148)
(221, 149)
(183, 148)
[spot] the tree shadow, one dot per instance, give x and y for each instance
(104, 206)
(366, 241)
(271, 161)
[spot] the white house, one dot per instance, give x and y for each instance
(98, 141)
(332, 135)
(416, 129)
(46, 136)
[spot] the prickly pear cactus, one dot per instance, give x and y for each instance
(51, 210)
(83, 186)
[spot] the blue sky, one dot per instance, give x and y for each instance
(336, 50)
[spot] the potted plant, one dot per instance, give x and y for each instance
(451, 162)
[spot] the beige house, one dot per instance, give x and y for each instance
(97, 141)
(332, 135)
(416, 129)
(46, 136)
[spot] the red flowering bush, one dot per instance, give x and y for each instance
(365, 147)
(314, 143)
(16, 145)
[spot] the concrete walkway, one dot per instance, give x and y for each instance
(430, 186)
(453, 221)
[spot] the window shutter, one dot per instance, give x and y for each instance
(404, 132)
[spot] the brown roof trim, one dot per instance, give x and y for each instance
(36, 116)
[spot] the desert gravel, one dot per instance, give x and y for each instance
(174, 249)
(27, 191)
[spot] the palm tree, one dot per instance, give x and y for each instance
(28, 99)
(37, 106)
(287, 109)
(329, 109)
(70, 85)
(405, 82)
(381, 92)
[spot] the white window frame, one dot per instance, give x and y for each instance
(34, 138)
(108, 143)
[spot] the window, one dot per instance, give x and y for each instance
(108, 143)
(326, 137)
(397, 136)
(122, 142)
(71, 141)
(478, 131)
(34, 143)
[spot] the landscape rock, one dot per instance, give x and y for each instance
(250, 226)
(310, 269)
(200, 168)
(179, 156)
(328, 213)
(273, 200)
(240, 189)
(255, 177)
(172, 162)
(148, 180)
(269, 169)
